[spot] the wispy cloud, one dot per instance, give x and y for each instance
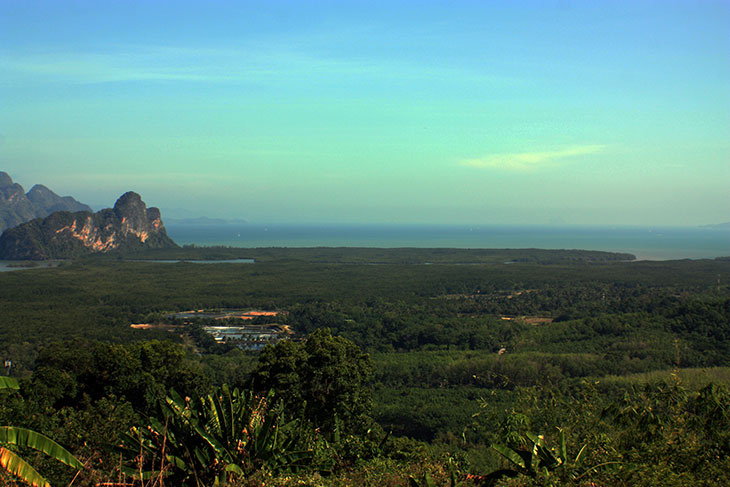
(146, 65)
(523, 161)
(226, 65)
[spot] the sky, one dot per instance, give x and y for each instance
(605, 112)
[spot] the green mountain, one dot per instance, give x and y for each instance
(130, 225)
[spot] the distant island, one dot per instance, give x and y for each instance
(17, 206)
(718, 226)
(129, 226)
(204, 220)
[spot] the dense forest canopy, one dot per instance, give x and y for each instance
(428, 362)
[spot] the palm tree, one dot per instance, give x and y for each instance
(25, 438)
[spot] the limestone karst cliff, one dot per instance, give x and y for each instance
(130, 225)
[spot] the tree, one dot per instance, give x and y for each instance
(325, 377)
(79, 372)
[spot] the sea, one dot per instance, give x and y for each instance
(658, 243)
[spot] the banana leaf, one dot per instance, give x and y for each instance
(8, 383)
(27, 438)
(20, 468)
(511, 455)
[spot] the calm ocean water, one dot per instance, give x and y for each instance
(646, 243)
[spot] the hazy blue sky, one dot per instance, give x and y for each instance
(607, 112)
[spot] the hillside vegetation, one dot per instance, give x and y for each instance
(407, 366)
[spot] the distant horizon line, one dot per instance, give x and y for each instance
(244, 221)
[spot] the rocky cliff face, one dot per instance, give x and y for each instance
(130, 225)
(17, 207)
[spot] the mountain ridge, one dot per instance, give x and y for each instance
(130, 225)
(17, 206)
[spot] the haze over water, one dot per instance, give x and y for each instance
(645, 243)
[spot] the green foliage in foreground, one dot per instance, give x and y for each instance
(8, 383)
(13, 436)
(324, 377)
(617, 433)
(25, 438)
(225, 435)
(537, 458)
(645, 435)
(83, 371)
(450, 375)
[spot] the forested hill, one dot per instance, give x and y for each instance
(17, 206)
(128, 226)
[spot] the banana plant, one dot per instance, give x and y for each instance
(429, 482)
(229, 433)
(25, 438)
(537, 458)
